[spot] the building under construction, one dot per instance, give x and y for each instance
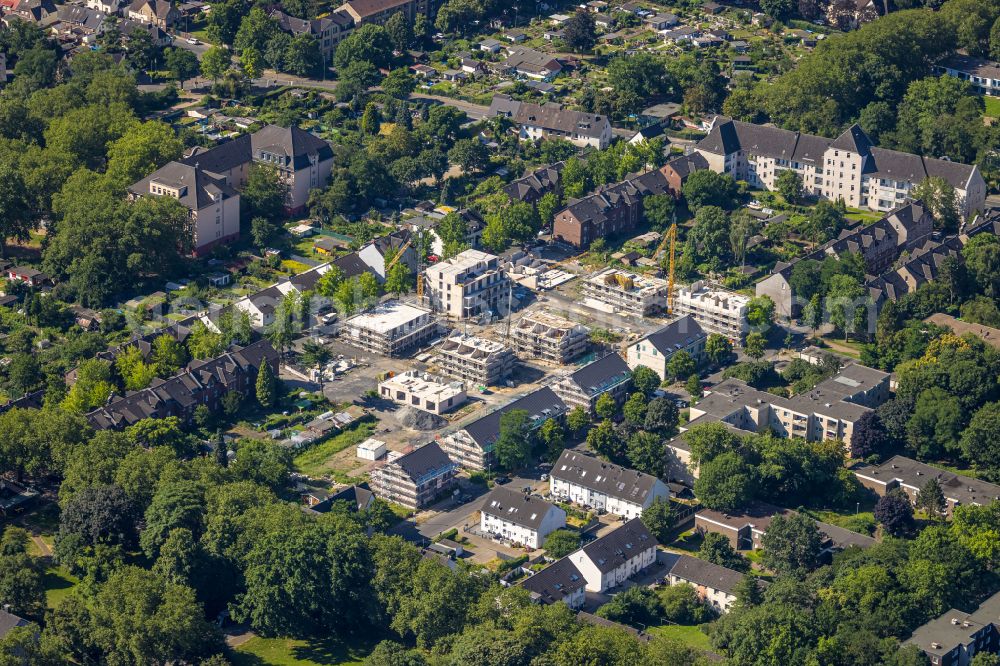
(391, 328)
(548, 337)
(475, 360)
(626, 293)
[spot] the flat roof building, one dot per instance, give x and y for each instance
(717, 310)
(470, 284)
(474, 359)
(955, 637)
(615, 290)
(544, 336)
(423, 391)
(391, 328)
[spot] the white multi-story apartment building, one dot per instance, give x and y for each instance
(474, 359)
(543, 335)
(984, 75)
(614, 290)
(470, 284)
(616, 557)
(519, 518)
(390, 328)
(717, 310)
(423, 391)
(849, 167)
(604, 486)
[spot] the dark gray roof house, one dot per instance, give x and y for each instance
(618, 547)
(516, 507)
(676, 335)
(9, 621)
(576, 469)
(541, 405)
(196, 188)
(532, 186)
(559, 581)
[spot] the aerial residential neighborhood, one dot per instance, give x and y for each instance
(449, 332)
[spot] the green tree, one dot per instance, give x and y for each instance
(934, 428)
(21, 586)
(718, 348)
(215, 62)
(262, 462)
(16, 219)
(203, 343)
(708, 188)
(754, 346)
(561, 543)
(266, 386)
(181, 63)
(168, 355)
(605, 441)
(399, 83)
(580, 33)
(634, 409)
(789, 185)
(725, 483)
(265, 192)
(659, 210)
(792, 544)
(174, 505)
(400, 31)
(577, 420)
(470, 154)
(142, 149)
(369, 43)
(606, 407)
(645, 380)
(658, 518)
(940, 198)
(398, 279)
(513, 445)
(661, 417)
(978, 439)
(717, 549)
(681, 365)
(760, 313)
(551, 434)
(930, 498)
(140, 618)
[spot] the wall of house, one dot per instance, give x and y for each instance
(216, 224)
(555, 518)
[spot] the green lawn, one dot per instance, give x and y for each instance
(992, 106)
(314, 460)
(690, 636)
(298, 652)
(58, 583)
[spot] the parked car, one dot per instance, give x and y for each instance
(501, 480)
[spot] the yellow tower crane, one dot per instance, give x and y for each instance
(669, 237)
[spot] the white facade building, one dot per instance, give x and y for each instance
(470, 284)
(717, 310)
(371, 449)
(616, 557)
(519, 518)
(586, 480)
(423, 391)
(655, 350)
